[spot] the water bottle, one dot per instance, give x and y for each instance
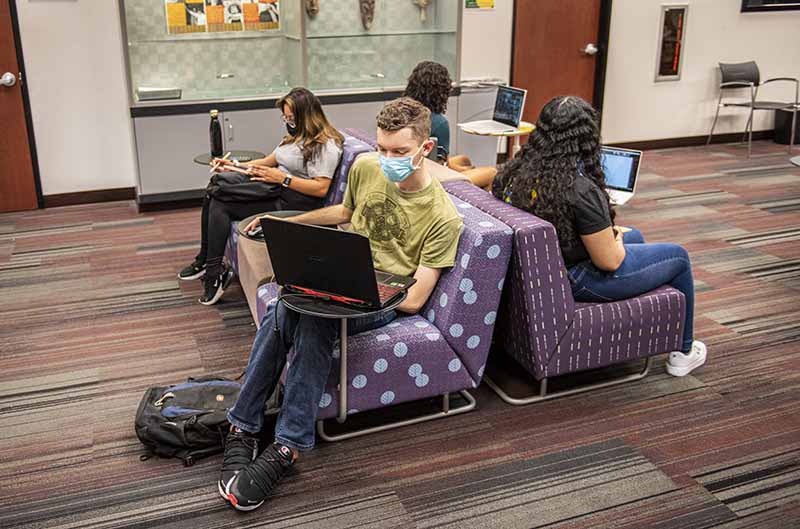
(215, 134)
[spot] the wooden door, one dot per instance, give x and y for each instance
(17, 182)
(550, 39)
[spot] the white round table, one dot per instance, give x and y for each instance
(523, 129)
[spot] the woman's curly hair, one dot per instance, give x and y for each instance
(540, 179)
(430, 84)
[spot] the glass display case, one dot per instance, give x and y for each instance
(181, 51)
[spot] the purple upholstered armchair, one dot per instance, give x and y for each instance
(352, 148)
(439, 351)
(546, 331)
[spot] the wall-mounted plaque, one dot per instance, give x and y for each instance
(671, 38)
(769, 5)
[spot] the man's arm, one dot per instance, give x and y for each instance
(419, 293)
(329, 216)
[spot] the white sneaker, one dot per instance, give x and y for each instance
(681, 364)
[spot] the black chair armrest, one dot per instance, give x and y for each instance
(789, 79)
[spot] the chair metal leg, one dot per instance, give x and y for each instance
(747, 127)
(713, 125)
(447, 411)
(542, 394)
(794, 129)
(750, 134)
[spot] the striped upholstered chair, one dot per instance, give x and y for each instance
(547, 332)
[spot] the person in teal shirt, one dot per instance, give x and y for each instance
(430, 84)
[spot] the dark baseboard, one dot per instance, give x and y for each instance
(170, 204)
(89, 197)
(173, 200)
(691, 141)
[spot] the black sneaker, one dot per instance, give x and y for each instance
(196, 270)
(249, 488)
(241, 449)
(215, 287)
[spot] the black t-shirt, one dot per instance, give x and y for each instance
(591, 214)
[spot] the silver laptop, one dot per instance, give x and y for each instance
(508, 108)
(621, 168)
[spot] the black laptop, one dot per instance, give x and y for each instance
(330, 264)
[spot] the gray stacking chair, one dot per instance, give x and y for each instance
(746, 75)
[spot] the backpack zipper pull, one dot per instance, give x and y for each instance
(165, 396)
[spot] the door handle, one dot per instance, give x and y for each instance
(590, 49)
(8, 79)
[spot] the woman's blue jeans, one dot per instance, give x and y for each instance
(313, 340)
(645, 267)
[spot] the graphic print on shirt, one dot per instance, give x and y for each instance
(384, 220)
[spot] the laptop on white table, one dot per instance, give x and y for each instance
(508, 106)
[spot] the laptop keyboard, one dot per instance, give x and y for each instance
(386, 292)
(492, 126)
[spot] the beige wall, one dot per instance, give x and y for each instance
(76, 81)
(636, 108)
(486, 41)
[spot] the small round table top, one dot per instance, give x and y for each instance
(280, 214)
(240, 156)
(523, 129)
(330, 309)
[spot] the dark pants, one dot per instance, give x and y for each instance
(216, 227)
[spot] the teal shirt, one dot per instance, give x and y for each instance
(440, 129)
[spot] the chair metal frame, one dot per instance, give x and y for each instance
(542, 395)
(753, 105)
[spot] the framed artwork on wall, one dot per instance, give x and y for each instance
(671, 39)
(769, 5)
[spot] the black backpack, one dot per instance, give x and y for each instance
(187, 421)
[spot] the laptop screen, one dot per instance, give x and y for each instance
(508, 105)
(621, 166)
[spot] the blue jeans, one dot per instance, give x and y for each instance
(313, 340)
(645, 267)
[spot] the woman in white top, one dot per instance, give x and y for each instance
(301, 168)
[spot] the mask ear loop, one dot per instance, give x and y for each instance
(421, 161)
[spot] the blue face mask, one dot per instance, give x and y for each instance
(400, 168)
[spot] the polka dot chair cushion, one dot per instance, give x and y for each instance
(465, 302)
(444, 347)
(363, 136)
(538, 320)
(351, 149)
(403, 361)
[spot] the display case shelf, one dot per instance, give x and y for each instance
(331, 52)
(382, 34)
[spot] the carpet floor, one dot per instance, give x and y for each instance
(91, 314)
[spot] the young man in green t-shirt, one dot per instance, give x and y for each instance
(413, 229)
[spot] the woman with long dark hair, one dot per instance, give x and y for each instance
(300, 168)
(558, 177)
(430, 84)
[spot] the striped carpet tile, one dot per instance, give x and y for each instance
(91, 314)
